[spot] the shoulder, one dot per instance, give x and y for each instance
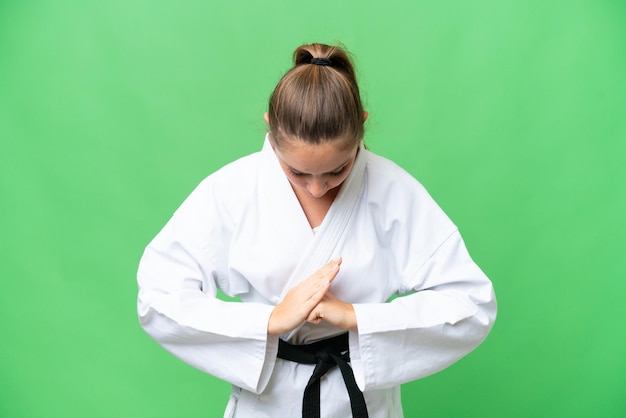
(398, 198)
(214, 197)
(231, 181)
(387, 177)
(239, 172)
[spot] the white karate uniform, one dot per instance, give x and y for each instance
(242, 230)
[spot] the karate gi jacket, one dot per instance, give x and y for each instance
(420, 301)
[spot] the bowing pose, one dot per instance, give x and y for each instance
(315, 235)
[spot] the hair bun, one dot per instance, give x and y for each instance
(325, 55)
(302, 56)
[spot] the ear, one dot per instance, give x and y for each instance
(365, 115)
(266, 116)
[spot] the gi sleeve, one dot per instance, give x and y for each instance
(178, 277)
(417, 335)
(447, 310)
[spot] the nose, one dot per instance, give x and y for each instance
(317, 187)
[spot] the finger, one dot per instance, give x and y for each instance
(331, 266)
(319, 293)
(315, 317)
(333, 273)
(337, 260)
(315, 321)
(318, 281)
(327, 273)
(331, 269)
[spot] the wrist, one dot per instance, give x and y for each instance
(350, 317)
(273, 325)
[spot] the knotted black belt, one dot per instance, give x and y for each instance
(325, 354)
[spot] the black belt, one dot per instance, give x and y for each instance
(325, 354)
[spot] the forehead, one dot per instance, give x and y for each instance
(321, 158)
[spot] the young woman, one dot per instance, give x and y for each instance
(315, 235)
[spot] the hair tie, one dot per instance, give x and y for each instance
(321, 61)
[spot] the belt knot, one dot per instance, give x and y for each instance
(325, 354)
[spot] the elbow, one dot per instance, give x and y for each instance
(485, 317)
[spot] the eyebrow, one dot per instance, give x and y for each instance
(329, 172)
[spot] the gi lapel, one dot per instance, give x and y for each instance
(333, 227)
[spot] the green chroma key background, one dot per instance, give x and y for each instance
(510, 113)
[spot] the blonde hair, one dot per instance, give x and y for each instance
(318, 99)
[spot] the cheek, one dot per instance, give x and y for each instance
(336, 181)
(296, 181)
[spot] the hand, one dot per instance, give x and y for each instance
(301, 299)
(334, 311)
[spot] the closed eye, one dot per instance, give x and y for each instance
(296, 173)
(336, 173)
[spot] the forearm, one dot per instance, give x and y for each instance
(393, 345)
(236, 350)
(339, 313)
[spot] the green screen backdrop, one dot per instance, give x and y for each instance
(511, 113)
